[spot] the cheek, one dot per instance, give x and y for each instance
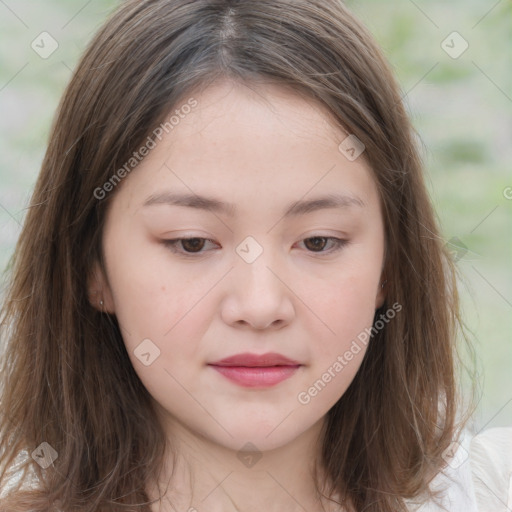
(347, 308)
(154, 300)
(345, 304)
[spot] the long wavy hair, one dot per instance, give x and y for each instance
(66, 378)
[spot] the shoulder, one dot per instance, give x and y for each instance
(490, 456)
(478, 475)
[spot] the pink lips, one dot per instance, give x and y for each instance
(253, 370)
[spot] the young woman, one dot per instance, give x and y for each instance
(230, 292)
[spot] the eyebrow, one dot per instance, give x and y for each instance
(211, 204)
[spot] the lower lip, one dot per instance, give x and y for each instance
(260, 376)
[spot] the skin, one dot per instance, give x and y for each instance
(260, 148)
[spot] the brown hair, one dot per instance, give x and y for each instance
(66, 377)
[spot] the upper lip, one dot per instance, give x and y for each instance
(255, 360)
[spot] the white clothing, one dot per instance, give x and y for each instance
(478, 477)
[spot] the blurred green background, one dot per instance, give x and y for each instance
(461, 106)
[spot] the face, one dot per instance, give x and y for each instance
(267, 266)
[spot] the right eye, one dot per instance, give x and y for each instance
(186, 246)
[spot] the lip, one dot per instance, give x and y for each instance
(256, 371)
(254, 360)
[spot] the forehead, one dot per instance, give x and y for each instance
(224, 106)
(253, 144)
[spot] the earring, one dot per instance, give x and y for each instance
(382, 285)
(101, 303)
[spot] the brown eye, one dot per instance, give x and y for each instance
(188, 245)
(192, 244)
(316, 243)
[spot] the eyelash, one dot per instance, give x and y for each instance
(172, 245)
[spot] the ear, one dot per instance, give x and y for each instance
(385, 271)
(99, 290)
(380, 297)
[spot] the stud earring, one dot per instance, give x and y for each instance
(382, 285)
(101, 303)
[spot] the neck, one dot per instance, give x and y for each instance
(200, 474)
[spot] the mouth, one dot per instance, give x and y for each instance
(256, 376)
(256, 371)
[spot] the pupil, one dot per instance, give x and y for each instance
(195, 243)
(317, 238)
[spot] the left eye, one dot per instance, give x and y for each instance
(195, 245)
(318, 243)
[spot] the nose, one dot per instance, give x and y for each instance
(258, 295)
